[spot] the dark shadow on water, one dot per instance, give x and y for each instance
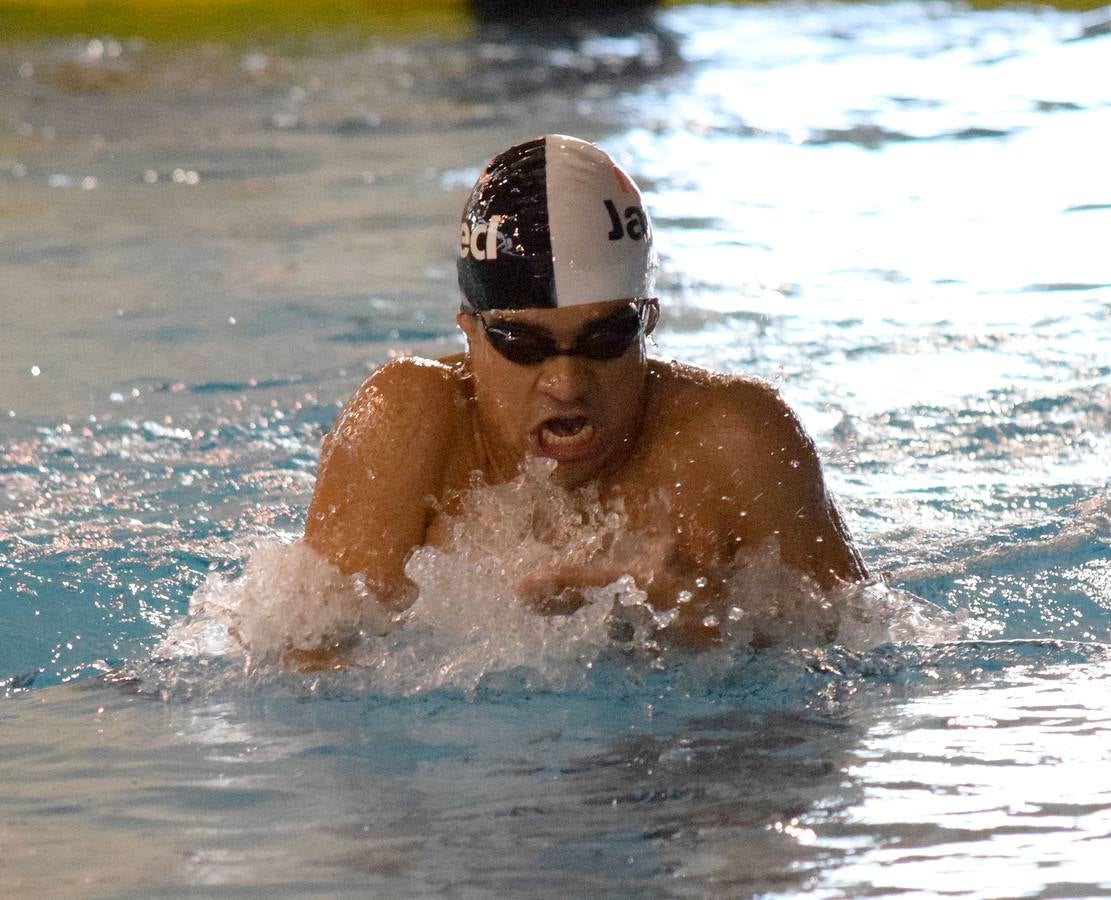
(511, 12)
(519, 57)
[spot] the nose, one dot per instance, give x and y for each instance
(566, 379)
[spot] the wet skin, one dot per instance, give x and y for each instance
(704, 464)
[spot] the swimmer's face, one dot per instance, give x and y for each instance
(580, 406)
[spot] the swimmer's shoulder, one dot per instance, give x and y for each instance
(389, 451)
(697, 395)
(409, 393)
(735, 416)
(405, 373)
(414, 378)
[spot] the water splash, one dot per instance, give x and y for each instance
(468, 623)
(287, 598)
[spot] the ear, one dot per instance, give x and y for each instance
(653, 316)
(469, 326)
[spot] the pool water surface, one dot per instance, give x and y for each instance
(897, 213)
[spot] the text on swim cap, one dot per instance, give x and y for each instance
(635, 224)
(481, 242)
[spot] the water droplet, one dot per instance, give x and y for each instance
(710, 621)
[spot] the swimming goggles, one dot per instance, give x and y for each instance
(604, 339)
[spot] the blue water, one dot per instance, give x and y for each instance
(898, 213)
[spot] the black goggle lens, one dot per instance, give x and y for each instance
(527, 345)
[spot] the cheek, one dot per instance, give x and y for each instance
(501, 393)
(505, 406)
(622, 398)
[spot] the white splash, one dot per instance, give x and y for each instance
(287, 598)
(468, 622)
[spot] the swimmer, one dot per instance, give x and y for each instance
(557, 269)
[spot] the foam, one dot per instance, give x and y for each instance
(467, 623)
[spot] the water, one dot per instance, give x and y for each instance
(898, 213)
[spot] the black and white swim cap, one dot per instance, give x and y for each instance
(554, 222)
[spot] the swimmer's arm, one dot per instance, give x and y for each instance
(557, 590)
(657, 570)
(382, 461)
(791, 504)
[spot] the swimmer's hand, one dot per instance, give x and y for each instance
(326, 658)
(330, 657)
(559, 590)
(320, 659)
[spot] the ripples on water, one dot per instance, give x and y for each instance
(896, 212)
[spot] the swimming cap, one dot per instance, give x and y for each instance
(554, 222)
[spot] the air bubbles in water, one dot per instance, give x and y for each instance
(473, 619)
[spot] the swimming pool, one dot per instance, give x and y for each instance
(899, 213)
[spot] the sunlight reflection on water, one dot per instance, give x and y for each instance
(898, 213)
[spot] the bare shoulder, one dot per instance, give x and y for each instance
(745, 413)
(405, 389)
(386, 454)
(745, 443)
(396, 428)
(693, 380)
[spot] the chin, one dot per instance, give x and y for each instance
(571, 474)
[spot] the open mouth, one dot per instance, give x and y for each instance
(564, 432)
(566, 437)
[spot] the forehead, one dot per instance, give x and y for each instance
(566, 318)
